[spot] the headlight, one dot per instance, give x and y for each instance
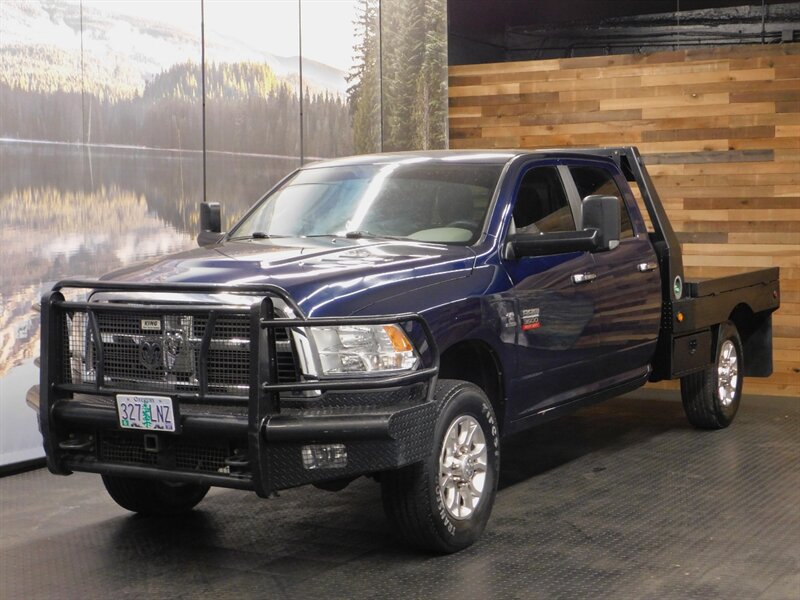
(375, 349)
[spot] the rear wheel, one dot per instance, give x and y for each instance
(711, 397)
(154, 497)
(443, 503)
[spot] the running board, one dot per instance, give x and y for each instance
(560, 410)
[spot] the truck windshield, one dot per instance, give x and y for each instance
(441, 202)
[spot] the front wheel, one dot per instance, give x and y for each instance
(443, 503)
(711, 397)
(154, 497)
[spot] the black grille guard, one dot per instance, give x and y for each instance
(263, 401)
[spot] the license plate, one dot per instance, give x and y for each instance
(149, 413)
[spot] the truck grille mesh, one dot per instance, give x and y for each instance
(181, 455)
(193, 457)
(162, 353)
(119, 449)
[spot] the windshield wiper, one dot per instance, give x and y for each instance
(353, 235)
(257, 235)
(366, 234)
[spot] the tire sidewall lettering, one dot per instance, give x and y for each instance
(450, 527)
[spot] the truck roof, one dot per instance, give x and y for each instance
(492, 156)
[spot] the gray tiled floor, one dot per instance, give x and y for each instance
(623, 500)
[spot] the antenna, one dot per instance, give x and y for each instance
(203, 87)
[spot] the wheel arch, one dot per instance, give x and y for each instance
(474, 360)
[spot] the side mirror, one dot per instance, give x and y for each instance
(210, 224)
(602, 213)
(558, 242)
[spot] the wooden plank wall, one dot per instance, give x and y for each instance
(720, 133)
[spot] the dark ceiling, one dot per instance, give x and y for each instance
(488, 18)
(487, 30)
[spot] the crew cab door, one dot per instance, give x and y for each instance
(556, 352)
(626, 284)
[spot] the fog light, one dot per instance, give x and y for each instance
(324, 456)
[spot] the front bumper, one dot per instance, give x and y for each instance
(212, 448)
(253, 443)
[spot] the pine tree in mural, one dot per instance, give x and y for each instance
(429, 117)
(364, 79)
(405, 71)
(414, 74)
(402, 25)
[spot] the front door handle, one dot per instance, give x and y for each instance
(583, 277)
(646, 267)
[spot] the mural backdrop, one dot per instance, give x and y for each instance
(101, 135)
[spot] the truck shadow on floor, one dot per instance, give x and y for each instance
(302, 522)
(615, 424)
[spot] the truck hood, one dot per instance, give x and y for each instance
(324, 276)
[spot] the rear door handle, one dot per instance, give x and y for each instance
(583, 277)
(646, 267)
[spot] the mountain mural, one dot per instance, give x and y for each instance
(101, 129)
(123, 52)
(146, 91)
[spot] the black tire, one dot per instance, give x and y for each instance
(412, 496)
(711, 397)
(154, 497)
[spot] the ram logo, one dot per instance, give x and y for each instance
(150, 353)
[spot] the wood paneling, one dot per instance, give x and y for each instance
(720, 133)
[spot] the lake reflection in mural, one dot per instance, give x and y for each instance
(72, 211)
(102, 129)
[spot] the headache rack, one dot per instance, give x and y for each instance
(204, 355)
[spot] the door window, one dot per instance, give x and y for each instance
(542, 204)
(592, 181)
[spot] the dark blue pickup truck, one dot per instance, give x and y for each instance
(394, 316)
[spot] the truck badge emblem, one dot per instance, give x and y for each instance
(150, 324)
(530, 319)
(150, 353)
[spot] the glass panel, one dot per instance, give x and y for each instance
(414, 65)
(541, 204)
(100, 160)
(364, 79)
(252, 101)
(331, 39)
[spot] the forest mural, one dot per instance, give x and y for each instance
(101, 130)
(399, 81)
(164, 114)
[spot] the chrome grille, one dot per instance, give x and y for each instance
(162, 353)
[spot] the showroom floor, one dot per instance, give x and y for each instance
(623, 500)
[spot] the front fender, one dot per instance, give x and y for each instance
(462, 310)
